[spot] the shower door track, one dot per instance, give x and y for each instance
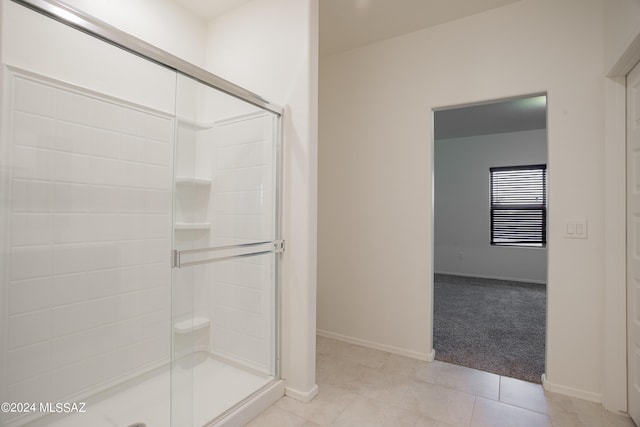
(114, 36)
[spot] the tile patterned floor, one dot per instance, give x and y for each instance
(362, 387)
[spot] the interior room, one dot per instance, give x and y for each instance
(490, 249)
(221, 213)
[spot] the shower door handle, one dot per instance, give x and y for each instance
(227, 253)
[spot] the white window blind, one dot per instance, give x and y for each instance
(519, 205)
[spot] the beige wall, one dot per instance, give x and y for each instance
(375, 236)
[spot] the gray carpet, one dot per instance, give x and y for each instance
(492, 325)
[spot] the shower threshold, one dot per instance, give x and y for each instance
(199, 396)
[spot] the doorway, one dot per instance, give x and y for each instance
(490, 249)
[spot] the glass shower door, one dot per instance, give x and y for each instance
(85, 228)
(225, 257)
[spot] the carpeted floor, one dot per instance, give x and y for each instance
(492, 325)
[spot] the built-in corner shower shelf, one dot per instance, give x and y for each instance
(192, 226)
(191, 325)
(186, 180)
(194, 124)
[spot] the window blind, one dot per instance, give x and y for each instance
(519, 205)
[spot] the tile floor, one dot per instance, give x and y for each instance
(362, 387)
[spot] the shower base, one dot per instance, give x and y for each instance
(199, 397)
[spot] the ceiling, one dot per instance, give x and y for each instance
(347, 24)
(512, 115)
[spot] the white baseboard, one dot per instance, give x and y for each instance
(383, 347)
(570, 391)
(431, 356)
(484, 276)
(302, 396)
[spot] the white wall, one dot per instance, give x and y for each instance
(270, 47)
(375, 214)
(461, 209)
(162, 23)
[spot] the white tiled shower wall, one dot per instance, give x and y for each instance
(238, 297)
(89, 277)
(231, 144)
(243, 211)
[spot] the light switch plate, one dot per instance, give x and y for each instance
(575, 229)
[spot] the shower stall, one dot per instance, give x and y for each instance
(140, 231)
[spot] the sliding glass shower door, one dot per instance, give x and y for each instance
(85, 218)
(225, 240)
(139, 232)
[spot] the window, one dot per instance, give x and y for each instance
(519, 205)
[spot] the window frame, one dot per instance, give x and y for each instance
(542, 207)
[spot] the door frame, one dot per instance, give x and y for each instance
(431, 355)
(614, 393)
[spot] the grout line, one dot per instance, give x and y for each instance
(473, 411)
